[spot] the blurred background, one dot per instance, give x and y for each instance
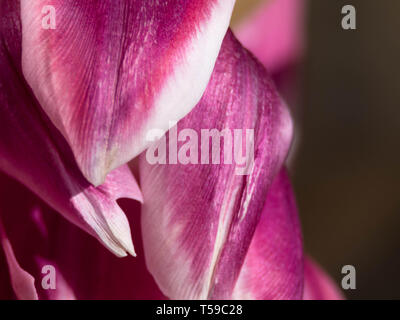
(345, 163)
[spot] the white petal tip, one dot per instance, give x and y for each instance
(131, 251)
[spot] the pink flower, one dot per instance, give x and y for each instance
(77, 103)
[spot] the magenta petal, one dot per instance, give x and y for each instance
(273, 268)
(112, 70)
(21, 281)
(198, 219)
(318, 285)
(33, 152)
(275, 33)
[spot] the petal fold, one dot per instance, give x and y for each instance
(273, 268)
(111, 70)
(201, 203)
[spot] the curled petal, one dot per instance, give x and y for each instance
(111, 70)
(273, 268)
(198, 219)
(34, 152)
(275, 33)
(318, 285)
(83, 269)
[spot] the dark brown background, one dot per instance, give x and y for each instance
(346, 168)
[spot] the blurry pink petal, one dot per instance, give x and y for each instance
(273, 268)
(84, 270)
(112, 70)
(33, 152)
(318, 285)
(22, 282)
(275, 33)
(198, 219)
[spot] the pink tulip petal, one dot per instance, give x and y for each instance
(275, 33)
(273, 268)
(318, 285)
(33, 152)
(198, 219)
(22, 282)
(112, 70)
(84, 270)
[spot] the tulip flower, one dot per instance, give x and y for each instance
(78, 102)
(64, 113)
